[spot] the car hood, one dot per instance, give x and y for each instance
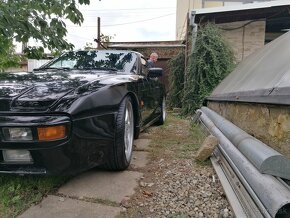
(40, 90)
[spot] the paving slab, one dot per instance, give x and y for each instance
(142, 145)
(112, 186)
(53, 206)
(139, 159)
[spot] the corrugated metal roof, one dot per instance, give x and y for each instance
(262, 77)
(249, 6)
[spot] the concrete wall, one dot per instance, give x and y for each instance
(184, 6)
(268, 123)
(33, 63)
(244, 39)
(21, 68)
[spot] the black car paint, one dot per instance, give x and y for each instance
(86, 101)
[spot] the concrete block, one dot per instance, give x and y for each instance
(206, 149)
(112, 186)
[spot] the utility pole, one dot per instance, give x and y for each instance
(99, 33)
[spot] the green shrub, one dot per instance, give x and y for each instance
(176, 80)
(209, 63)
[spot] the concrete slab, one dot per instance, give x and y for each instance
(53, 206)
(112, 186)
(139, 159)
(142, 145)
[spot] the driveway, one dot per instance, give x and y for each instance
(95, 193)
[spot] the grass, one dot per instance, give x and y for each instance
(17, 193)
(178, 138)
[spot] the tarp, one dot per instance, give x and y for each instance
(263, 76)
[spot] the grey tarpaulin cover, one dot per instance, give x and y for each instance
(262, 77)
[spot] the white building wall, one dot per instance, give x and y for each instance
(33, 63)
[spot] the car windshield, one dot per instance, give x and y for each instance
(95, 60)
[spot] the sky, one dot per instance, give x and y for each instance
(126, 21)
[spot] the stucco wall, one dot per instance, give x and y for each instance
(184, 6)
(244, 37)
(268, 123)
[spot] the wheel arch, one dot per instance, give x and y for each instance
(136, 112)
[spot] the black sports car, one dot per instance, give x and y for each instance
(78, 111)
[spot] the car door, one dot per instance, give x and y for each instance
(147, 91)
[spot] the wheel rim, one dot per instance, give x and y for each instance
(129, 131)
(163, 109)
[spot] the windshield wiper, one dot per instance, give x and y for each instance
(99, 68)
(52, 68)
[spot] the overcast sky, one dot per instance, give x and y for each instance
(126, 20)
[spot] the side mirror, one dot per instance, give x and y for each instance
(155, 72)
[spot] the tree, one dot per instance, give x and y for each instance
(210, 62)
(7, 56)
(42, 20)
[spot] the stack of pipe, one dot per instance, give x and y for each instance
(255, 163)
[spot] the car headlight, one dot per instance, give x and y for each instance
(17, 134)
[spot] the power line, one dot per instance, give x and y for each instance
(81, 37)
(120, 24)
(130, 13)
(139, 21)
(129, 9)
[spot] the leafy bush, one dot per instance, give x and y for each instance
(176, 80)
(8, 58)
(209, 63)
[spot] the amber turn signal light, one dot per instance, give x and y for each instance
(51, 133)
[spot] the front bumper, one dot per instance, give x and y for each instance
(88, 142)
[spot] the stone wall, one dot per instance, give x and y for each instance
(244, 37)
(268, 123)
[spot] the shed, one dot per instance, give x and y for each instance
(165, 50)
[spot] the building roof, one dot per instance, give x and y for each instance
(242, 12)
(249, 6)
(263, 77)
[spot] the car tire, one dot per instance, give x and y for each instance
(162, 117)
(121, 154)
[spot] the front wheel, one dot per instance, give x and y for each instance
(162, 117)
(121, 154)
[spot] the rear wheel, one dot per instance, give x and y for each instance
(121, 154)
(162, 117)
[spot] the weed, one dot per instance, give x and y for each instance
(177, 216)
(19, 192)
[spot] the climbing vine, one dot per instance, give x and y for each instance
(176, 80)
(211, 60)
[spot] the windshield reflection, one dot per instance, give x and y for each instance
(95, 60)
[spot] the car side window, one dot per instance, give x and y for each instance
(144, 66)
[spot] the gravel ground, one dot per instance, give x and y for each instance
(174, 185)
